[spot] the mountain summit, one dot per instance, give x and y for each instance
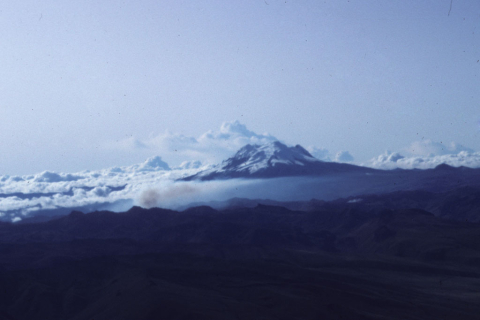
(270, 160)
(253, 158)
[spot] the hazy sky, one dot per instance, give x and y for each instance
(77, 78)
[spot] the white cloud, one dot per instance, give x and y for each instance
(131, 143)
(319, 153)
(235, 130)
(49, 190)
(190, 165)
(325, 155)
(211, 147)
(428, 148)
(48, 176)
(343, 156)
(153, 164)
(427, 154)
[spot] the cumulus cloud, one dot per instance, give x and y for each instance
(325, 155)
(235, 130)
(154, 164)
(343, 156)
(197, 164)
(25, 195)
(428, 148)
(319, 153)
(116, 189)
(48, 176)
(211, 147)
(131, 143)
(427, 154)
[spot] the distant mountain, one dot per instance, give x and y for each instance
(271, 160)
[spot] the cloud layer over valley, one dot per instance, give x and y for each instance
(427, 154)
(152, 182)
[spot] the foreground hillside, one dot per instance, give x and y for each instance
(340, 260)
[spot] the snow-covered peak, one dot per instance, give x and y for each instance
(252, 158)
(273, 160)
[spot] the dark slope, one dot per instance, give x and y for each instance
(270, 226)
(188, 286)
(339, 261)
(461, 204)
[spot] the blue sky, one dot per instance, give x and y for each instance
(80, 78)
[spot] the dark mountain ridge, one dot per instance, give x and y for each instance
(275, 226)
(377, 258)
(460, 204)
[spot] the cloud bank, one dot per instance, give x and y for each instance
(429, 148)
(152, 182)
(209, 148)
(23, 196)
(427, 154)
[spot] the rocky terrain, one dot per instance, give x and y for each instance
(397, 256)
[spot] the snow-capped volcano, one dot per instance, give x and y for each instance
(270, 160)
(253, 158)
